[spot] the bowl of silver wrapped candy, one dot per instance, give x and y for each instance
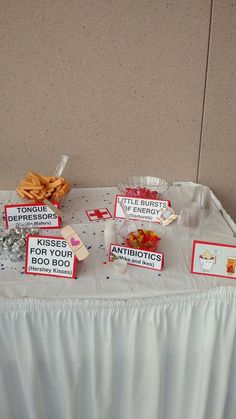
(13, 242)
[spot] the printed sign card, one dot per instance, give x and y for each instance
(49, 255)
(137, 257)
(31, 215)
(213, 259)
(139, 208)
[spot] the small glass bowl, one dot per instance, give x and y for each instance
(134, 230)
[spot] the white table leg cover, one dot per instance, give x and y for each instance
(163, 358)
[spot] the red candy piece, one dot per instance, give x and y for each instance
(141, 193)
(143, 239)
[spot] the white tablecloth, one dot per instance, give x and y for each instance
(147, 345)
(97, 279)
(163, 358)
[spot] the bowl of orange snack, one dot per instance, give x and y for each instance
(38, 187)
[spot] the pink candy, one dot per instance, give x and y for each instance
(141, 193)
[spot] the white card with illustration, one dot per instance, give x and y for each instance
(213, 259)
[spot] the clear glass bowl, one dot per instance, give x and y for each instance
(134, 226)
(152, 183)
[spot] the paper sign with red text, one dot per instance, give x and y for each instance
(214, 259)
(139, 208)
(49, 255)
(31, 215)
(137, 257)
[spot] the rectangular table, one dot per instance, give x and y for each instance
(147, 345)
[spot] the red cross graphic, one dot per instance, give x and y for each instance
(98, 214)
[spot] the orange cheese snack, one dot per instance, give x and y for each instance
(38, 187)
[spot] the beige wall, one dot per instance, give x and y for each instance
(119, 85)
(218, 150)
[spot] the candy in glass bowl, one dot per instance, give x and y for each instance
(142, 235)
(146, 187)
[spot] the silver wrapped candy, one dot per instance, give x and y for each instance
(13, 242)
(10, 240)
(21, 242)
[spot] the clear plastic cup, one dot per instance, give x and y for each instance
(120, 266)
(202, 197)
(188, 223)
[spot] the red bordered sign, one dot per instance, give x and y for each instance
(213, 259)
(36, 215)
(50, 256)
(140, 208)
(137, 257)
